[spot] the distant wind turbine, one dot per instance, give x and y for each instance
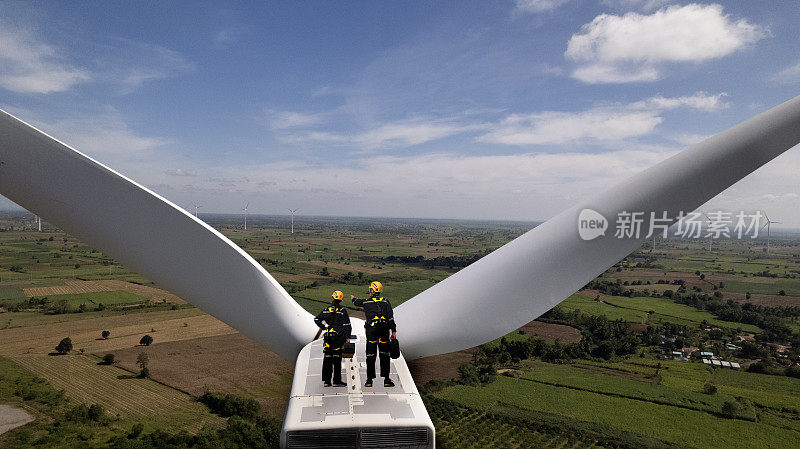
(709, 239)
(245, 215)
(39, 222)
(196, 206)
(767, 224)
(293, 212)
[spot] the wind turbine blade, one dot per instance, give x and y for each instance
(766, 216)
(149, 234)
(528, 276)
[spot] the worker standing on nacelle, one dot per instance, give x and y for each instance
(379, 321)
(335, 323)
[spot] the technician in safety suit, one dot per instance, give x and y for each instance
(379, 322)
(335, 324)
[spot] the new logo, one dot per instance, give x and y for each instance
(591, 224)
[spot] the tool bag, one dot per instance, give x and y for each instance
(394, 349)
(348, 350)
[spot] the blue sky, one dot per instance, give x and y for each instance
(507, 110)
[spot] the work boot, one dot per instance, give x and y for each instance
(326, 384)
(339, 383)
(368, 383)
(388, 382)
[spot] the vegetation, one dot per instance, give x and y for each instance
(230, 405)
(147, 340)
(142, 360)
(64, 346)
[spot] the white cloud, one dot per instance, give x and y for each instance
(289, 119)
(181, 172)
(401, 133)
(562, 127)
(699, 101)
(131, 64)
(788, 75)
(28, 65)
(104, 133)
(535, 6)
(603, 123)
(639, 5)
(632, 47)
(406, 133)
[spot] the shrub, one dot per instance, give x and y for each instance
(709, 388)
(230, 405)
(141, 360)
(136, 430)
(147, 340)
(730, 408)
(468, 374)
(64, 346)
(108, 359)
(105, 334)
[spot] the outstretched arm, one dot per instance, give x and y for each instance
(319, 320)
(358, 302)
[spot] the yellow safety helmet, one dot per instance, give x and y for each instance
(337, 295)
(376, 287)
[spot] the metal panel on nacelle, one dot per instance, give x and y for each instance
(530, 275)
(148, 234)
(355, 412)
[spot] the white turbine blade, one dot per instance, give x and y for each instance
(526, 277)
(149, 234)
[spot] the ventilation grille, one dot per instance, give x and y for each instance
(404, 437)
(322, 439)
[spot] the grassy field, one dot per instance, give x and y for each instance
(668, 423)
(312, 299)
(639, 383)
(664, 309)
(648, 309)
(589, 306)
(119, 392)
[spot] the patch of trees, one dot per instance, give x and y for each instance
(602, 337)
(771, 319)
(147, 340)
(351, 278)
(259, 433)
(451, 262)
(227, 405)
(87, 414)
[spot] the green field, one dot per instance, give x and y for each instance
(589, 306)
(314, 299)
(633, 382)
(665, 310)
(638, 310)
(668, 423)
